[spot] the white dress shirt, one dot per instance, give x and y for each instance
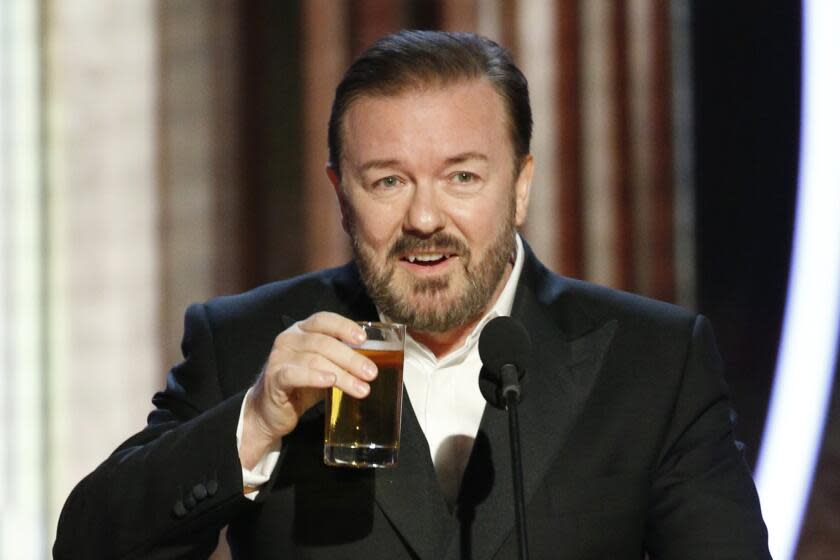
(443, 393)
(445, 396)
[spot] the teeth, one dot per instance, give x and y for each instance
(426, 258)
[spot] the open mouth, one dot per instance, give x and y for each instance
(427, 259)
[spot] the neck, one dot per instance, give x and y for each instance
(442, 343)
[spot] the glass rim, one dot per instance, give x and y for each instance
(381, 325)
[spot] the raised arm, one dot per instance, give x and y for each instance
(168, 490)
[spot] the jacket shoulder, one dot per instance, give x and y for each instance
(579, 304)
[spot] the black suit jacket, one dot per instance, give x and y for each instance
(626, 440)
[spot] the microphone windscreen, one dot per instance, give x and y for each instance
(504, 341)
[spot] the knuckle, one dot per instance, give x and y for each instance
(282, 339)
(285, 377)
(317, 320)
(313, 361)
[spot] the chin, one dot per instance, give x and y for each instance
(428, 303)
(425, 312)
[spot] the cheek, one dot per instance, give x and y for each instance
(376, 227)
(480, 221)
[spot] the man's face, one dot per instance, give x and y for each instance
(430, 196)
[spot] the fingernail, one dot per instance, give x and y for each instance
(370, 370)
(362, 388)
(359, 336)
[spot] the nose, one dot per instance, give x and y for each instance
(425, 214)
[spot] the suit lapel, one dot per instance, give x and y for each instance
(554, 391)
(409, 495)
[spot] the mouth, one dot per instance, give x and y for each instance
(427, 259)
(427, 262)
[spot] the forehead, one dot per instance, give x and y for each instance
(429, 123)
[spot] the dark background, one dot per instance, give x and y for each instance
(747, 96)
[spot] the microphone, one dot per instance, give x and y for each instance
(505, 349)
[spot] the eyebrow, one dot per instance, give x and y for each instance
(466, 156)
(382, 163)
(378, 164)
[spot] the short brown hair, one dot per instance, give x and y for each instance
(411, 58)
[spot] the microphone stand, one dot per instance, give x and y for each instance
(511, 393)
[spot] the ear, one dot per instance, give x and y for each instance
(523, 189)
(343, 204)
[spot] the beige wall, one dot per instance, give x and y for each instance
(102, 271)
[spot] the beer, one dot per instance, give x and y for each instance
(366, 432)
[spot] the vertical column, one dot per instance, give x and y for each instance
(23, 454)
(640, 146)
(324, 59)
(102, 314)
(650, 146)
(489, 20)
(370, 20)
(230, 232)
(196, 160)
(271, 131)
(460, 15)
(598, 120)
(685, 267)
(570, 209)
(662, 173)
(536, 56)
(511, 25)
(619, 148)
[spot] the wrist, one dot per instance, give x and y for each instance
(257, 438)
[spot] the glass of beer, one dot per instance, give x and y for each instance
(365, 433)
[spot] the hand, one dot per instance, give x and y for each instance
(305, 359)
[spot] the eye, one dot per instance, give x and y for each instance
(388, 182)
(464, 177)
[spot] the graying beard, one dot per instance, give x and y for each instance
(467, 308)
(431, 286)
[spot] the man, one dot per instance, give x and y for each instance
(626, 437)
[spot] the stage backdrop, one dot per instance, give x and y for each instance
(160, 153)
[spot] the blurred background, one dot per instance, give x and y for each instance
(158, 153)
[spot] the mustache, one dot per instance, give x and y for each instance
(438, 242)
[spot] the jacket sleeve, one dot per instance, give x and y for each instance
(168, 490)
(705, 505)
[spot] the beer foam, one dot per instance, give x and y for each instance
(382, 345)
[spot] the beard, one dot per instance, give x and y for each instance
(435, 304)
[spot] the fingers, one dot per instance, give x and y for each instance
(321, 343)
(288, 377)
(351, 379)
(323, 352)
(334, 325)
(307, 358)
(292, 377)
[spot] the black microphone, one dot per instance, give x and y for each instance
(505, 349)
